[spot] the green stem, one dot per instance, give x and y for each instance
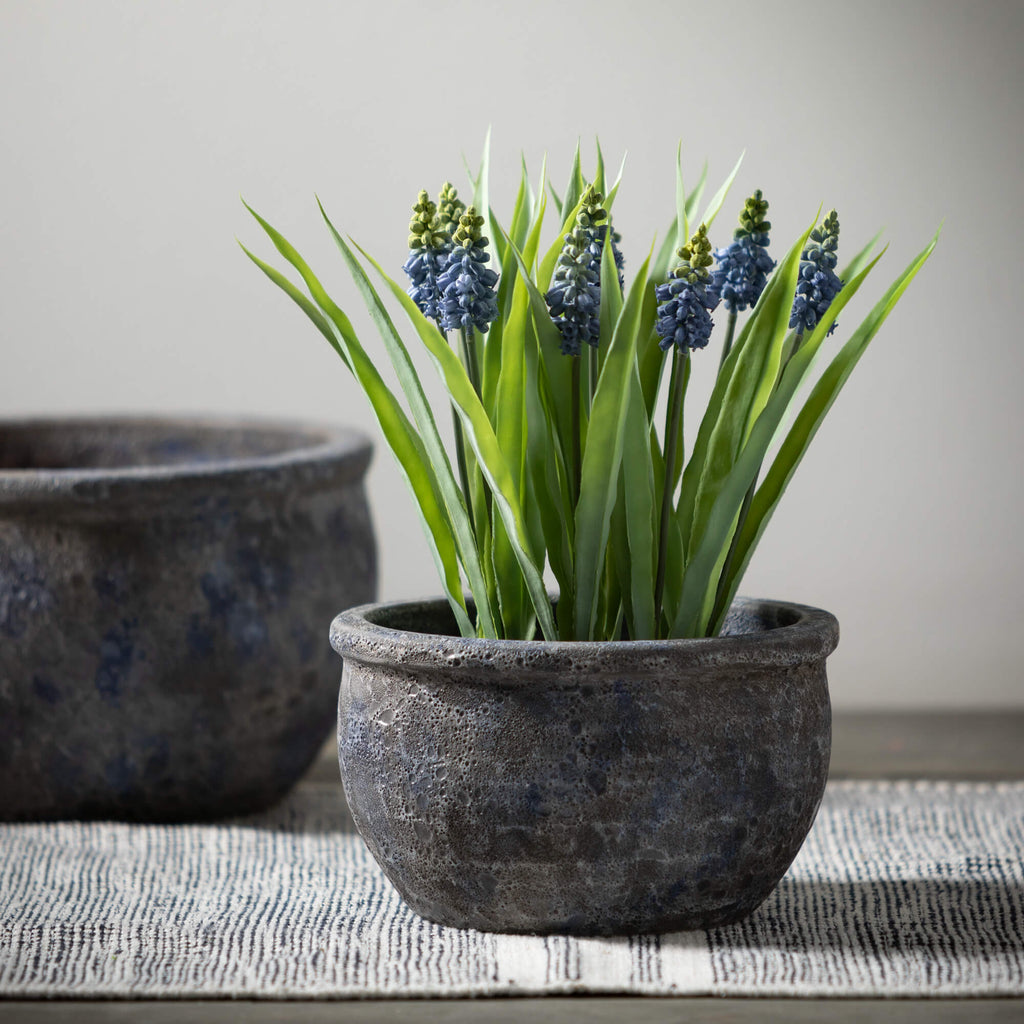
(672, 419)
(460, 439)
(577, 460)
(797, 342)
(594, 374)
(730, 330)
(460, 458)
(469, 359)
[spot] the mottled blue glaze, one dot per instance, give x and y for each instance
(590, 788)
(164, 591)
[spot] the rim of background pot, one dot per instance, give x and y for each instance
(382, 634)
(301, 457)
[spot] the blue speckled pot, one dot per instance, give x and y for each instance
(164, 587)
(586, 788)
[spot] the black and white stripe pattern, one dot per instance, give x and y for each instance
(901, 889)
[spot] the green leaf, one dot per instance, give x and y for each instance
(694, 198)
(666, 255)
(674, 472)
(531, 197)
(307, 307)
(851, 270)
(674, 579)
(666, 258)
(556, 199)
(603, 455)
(576, 185)
(549, 480)
(462, 527)
(709, 547)
(860, 261)
(806, 425)
(609, 199)
(611, 295)
(751, 365)
(490, 359)
(403, 441)
(480, 434)
(711, 210)
(638, 494)
(511, 431)
(650, 357)
(682, 223)
(556, 366)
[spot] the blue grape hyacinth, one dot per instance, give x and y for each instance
(744, 264)
(466, 283)
(574, 298)
(600, 235)
(818, 284)
(685, 303)
(427, 256)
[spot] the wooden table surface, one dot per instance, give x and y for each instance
(966, 745)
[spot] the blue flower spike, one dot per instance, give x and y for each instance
(818, 284)
(466, 283)
(744, 264)
(574, 298)
(685, 302)
(620, 261)
(427, 256)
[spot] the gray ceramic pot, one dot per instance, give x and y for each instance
(588, 788)
(164, 587)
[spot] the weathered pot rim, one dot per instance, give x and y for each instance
(316, 455)
(362, 634)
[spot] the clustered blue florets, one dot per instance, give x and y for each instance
(424, 266)
(449, 281)
(818, 284)
(598, 247)
(684, 313)
(428, 252)
(744, 264)
(574, 298)
(466, 283)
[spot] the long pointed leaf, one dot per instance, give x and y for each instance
(711, 210)
(405, 371)
(309, 308)
(694, 198)
(724, 424)
(638, 494)
(708, 549)
(806, 425)
(603, 456)
(480, 435)
(402, 439)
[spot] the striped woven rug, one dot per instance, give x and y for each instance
(901, 890)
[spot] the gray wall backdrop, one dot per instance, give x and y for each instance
(129, 129)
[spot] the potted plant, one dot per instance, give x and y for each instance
(645, 751)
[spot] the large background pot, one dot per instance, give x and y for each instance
(165, 587)
(584, 787)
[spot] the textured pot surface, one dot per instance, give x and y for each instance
(164, 587)
(590, 788)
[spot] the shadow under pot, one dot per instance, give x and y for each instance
(584, 788)
(164, 587)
